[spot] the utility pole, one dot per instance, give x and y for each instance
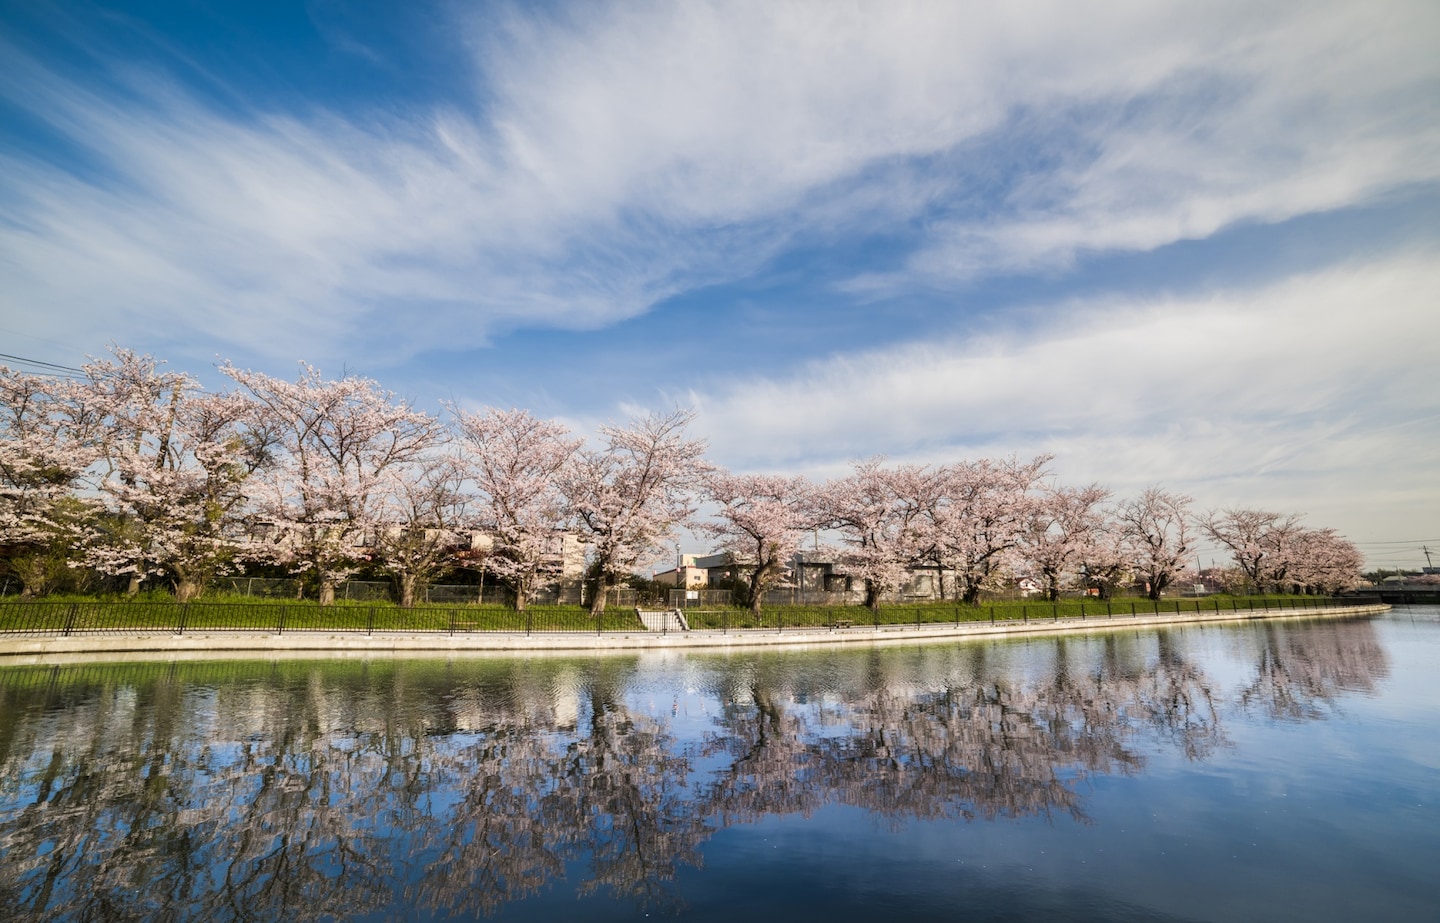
(1428, 565)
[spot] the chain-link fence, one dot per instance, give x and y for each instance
(793, 596)
(457, 593)
(703, 598)
(623, 596)
(261, 587)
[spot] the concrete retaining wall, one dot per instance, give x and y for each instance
(232, 645)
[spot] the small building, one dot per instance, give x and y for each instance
(689, 572)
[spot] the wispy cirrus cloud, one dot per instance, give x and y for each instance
(616, 155)
(1314, 390)
(1287, 116)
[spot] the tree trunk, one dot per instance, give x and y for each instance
(407, 591)
(188, 589)
(133, 588)
(327, 591)
(757, 586)
(872, 596)
(597, 603)
(34, 575)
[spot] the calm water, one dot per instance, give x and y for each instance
(1281, 771)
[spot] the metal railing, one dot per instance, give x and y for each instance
(46, 618)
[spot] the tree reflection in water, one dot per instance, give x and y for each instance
(1292, 683)
(304, 791)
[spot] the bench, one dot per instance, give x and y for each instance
(841, 623)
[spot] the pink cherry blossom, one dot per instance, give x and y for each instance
(519, 464)
(630, 494)
(760, 523)
(337, 442)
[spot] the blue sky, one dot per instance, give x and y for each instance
(1186, 244)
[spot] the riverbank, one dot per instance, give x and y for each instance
(231, 644)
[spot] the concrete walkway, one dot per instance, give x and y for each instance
(236, 644)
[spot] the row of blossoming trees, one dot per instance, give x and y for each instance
(134, 471)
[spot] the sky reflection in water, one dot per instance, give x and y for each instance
(1283, 770)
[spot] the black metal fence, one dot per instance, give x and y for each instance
(46, 618)
(900, 617)
(101, 618)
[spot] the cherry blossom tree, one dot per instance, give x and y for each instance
(139, 403)
(519, 463)
(1061, 533)
(175, 464)
(760, 524)
(1322, 560)
(1156, 533)
(979, 518)
(1106, 562)
(1258, 541)
(47, 440)
(422, 512)
(338, 443)
(138, 472)
(1274, 551)
(630, 494)
(877, 512)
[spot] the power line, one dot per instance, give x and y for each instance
(53, 365)
(55, 369)
(45, 368)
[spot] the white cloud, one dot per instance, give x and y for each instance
(1316, 394)
(630, 152)
(1319, 107)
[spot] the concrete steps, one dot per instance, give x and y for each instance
(662, 619)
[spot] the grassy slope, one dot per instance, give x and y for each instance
(243, 613)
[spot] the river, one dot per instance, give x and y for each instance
(1277, 770)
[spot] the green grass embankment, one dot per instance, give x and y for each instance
(939, 613)
(76, 614)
